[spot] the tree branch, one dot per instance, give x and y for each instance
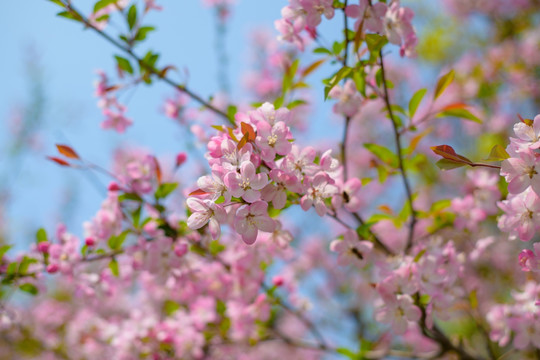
(70, 8)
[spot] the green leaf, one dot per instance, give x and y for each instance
(439, 205)
(279, 102)
(132, 16)
(124, 64)
(383, 153)
(378, 77)
(58, 2)
(215, 247)
(115, 242)
(460, 113)
(443, 83)
(375, 42)
(419, 255)
(25, 264)
(143, 33)
(69, 15)
(12, 268)
(231, 111)
(382, 173)
(102, 4)
(130, 196)
(295, 103)
(165, 190)
(498, 153)
(473, 299)
(359, 78)
(341, 74)
(136, 216)
(337, 47)
(170, 307)
(322, 50)
(103, 18)
(41, 235)
(348, 353)
(113, 265)
(4, 249)
(29, 288)
(415, 101)
(288, 76)
(363, 230)
(445, 164)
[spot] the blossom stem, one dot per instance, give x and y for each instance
(399, 151)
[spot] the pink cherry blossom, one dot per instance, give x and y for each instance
(250, 219)
(277, 193)
(398, 313)
(351, 250)
(522, 215)
(115, 120)
(319, 188)
(528, 135)
(206, 212)
(273, 140)
(371, 16)
(522, 172)
(247, 183)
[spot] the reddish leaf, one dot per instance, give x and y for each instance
(248, 129)
(67, 151)
(58, 161)
(308, 70)
(164, 71)
(528, 122)
(112, 88)
(455, 106)
(197, 192)
(158, 170)
(243, 141)
(448, 152)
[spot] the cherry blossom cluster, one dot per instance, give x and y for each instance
(114, 112)
(392, 21)
(250, 175)
(522, 206)
(480, 201)
(429, 278)
(518, 321)
(302, 15)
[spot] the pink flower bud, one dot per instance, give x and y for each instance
(52, 268)
(181, 249)
(180, 159)
(113, 186)
(89, 241)
(278, 280)
(43, 247)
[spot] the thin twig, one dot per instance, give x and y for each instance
(399, 151)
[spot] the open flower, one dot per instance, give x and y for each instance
(252, 218)
(246, 184)
(351, 250)
(206, 212)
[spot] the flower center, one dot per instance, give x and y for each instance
(245, 184)
(531, 172)
(272, 139)
(319, 9)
